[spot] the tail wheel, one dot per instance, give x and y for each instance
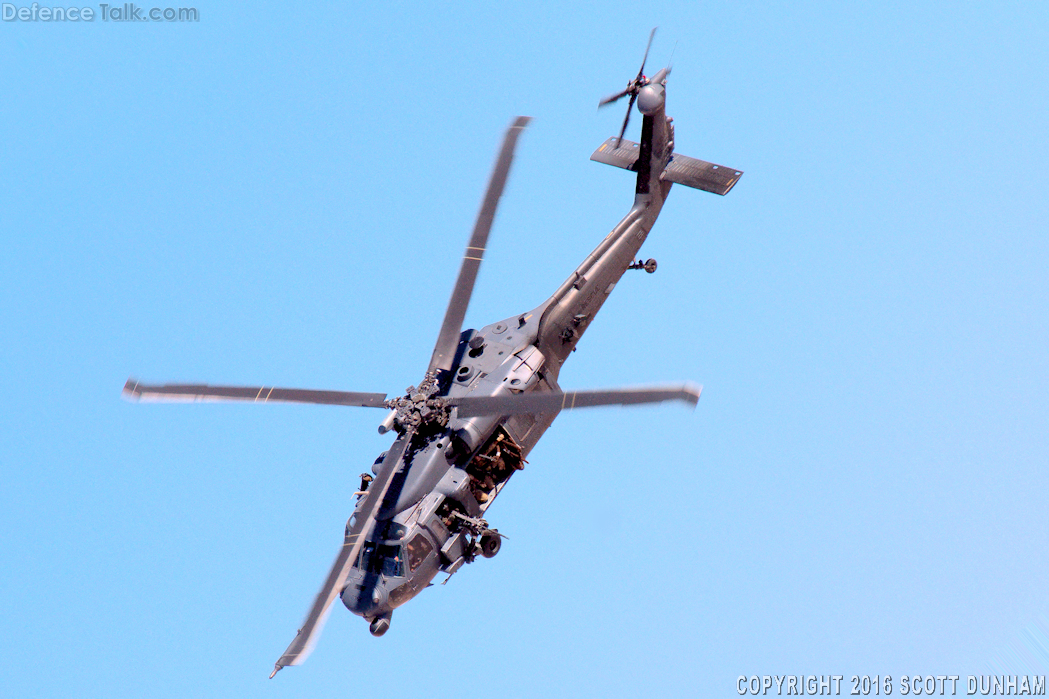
(491, 542)
(380, 625)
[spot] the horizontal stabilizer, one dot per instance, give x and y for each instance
(681, 169)
(625, 156)
(700, 174)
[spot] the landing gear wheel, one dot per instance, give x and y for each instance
(491, 542)
(648, 265)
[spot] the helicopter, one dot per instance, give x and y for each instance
(487, 395)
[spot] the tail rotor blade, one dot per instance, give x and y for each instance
(644, 60)
(613, 98)
(448, 338)
(632, 89)
(356, 530)
(533, 403)
(626, 119)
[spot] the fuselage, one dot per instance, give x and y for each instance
(452, 474)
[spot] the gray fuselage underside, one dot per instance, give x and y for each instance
(521, 354)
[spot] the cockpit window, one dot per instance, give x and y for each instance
(392, 563)
(383, 559)
(418, 549)
(365, 557)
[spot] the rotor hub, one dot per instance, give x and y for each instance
(420, 406)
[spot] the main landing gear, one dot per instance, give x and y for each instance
(490, 543)
(483, 540)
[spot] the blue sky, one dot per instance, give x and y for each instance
(280, 195)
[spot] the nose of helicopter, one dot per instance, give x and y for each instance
(367, 598)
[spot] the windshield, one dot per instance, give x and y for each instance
(385, 559)
(392, 566)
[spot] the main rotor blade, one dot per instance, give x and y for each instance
(178, 392)
(448, 338)
(356, 530)
(516, 404)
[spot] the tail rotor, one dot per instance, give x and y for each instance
(632, 88)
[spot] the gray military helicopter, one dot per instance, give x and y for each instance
(487, 396)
